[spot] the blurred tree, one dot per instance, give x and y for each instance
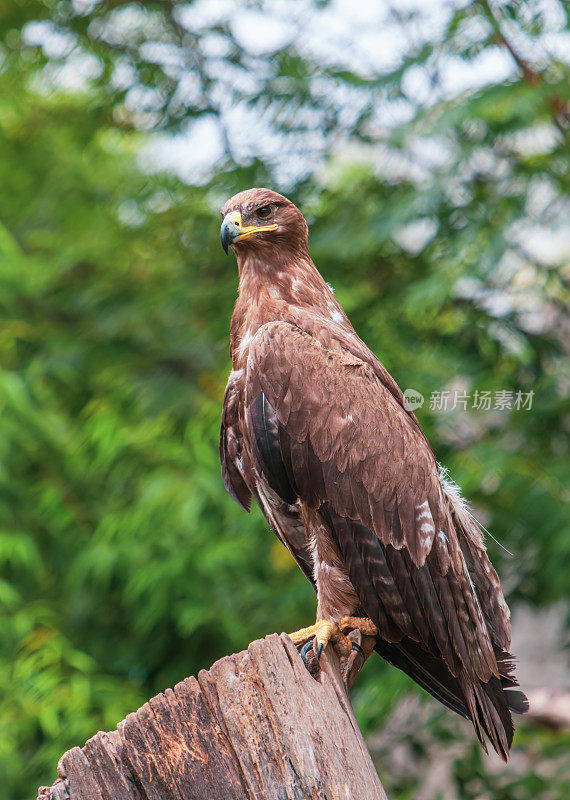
(121, 559)
(435, 175)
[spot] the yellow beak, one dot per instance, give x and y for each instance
(233, 230)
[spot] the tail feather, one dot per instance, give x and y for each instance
(430, 673)
(487, 705)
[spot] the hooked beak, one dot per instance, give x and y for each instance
(233, 229)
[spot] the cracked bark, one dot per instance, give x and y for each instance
(257, 725)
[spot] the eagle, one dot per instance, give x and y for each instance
(318, 432)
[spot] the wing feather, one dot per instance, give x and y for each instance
(231, 448)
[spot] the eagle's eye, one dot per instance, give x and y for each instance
(264, 212)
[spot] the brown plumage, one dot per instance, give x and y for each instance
(316, 430)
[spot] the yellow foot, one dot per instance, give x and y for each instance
(362, 624)
(323, 631)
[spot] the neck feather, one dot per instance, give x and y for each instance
(278, 289)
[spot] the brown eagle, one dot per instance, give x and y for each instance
(315, 428)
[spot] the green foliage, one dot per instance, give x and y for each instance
(122, 556)
(124, 565)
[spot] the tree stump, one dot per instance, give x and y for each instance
(257, 725)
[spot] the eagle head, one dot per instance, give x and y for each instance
(257, 218)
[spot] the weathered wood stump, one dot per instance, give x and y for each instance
(255, 725)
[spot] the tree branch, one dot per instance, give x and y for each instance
(532, 76)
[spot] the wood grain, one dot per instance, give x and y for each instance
(257, 725)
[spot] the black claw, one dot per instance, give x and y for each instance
(319, 651)
(305, 650)
(359, 650)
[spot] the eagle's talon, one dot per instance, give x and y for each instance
(324, 631)
(358, 649)
(304, 650)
